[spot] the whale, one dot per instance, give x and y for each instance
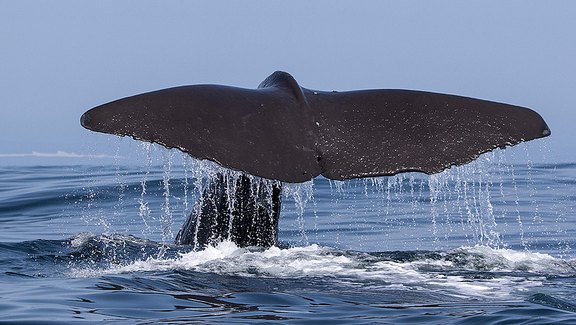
(281, 132)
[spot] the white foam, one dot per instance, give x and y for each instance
(445, 271)
(508, 260)
(80, 239)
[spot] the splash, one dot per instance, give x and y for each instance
(500, 272)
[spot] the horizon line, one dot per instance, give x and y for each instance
(58, 154)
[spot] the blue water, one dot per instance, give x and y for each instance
(486, 243)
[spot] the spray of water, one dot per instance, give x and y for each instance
(457, 202)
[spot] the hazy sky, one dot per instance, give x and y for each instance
(60, 58)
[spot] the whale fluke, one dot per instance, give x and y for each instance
(285, 132)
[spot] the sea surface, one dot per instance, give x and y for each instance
(487, 243)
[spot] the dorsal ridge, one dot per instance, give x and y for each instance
(284, 80)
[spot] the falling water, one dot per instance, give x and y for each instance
(186, 184)
(166, 218)
(231, 181)
(203, 173)
(143, 204)
(462, 202)
(122, 187)
(301, 193)
(459, 202)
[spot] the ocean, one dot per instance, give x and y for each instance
(491, 242)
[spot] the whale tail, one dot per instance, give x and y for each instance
(285, 132)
